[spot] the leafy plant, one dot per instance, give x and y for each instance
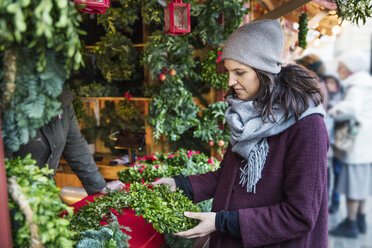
(168, 165)
(159, 206)
(209, 72)
(172, 111)
(212, 125)
(34, 102)
(162, 207)
(42, 25)
(116, 57)
(45, 203)
(354, 10)
(108, 236)
(121, 16)
(164, 51)
(207, 29)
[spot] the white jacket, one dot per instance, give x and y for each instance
(357, 103)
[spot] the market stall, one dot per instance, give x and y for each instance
(149, 69)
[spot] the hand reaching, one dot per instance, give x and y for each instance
(113, 185)
(166, 180)
(206, 225)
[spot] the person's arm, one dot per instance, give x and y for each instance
(304, 186)
(78, 156)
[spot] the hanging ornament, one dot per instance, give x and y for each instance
(303, 29)
(177, 18)
(93, 6)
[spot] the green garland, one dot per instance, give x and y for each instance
(302, 30)
(209, 72)
(45, 203)
(172, 111)
(354, 10)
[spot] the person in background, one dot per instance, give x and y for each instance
(356, 173)
(335, 94)
(271, 188)
(313, 63)
(62, 136)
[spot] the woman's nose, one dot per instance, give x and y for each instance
(232, 81)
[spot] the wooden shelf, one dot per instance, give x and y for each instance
(66, 177)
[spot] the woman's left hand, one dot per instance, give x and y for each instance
(206, 225)
(113, 185)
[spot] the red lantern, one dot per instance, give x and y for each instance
(93, 6)
(177, 18)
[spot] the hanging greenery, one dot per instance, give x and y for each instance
(302, 30)
(209, 28)
(172, 111)
(34, 102)
(354, 10)
(116, 57)
(42, 25)
(122, 16)
(164, 51)
(209, 71)
(43, 197)
(209, 128)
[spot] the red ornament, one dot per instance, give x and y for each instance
(162, 77)
(211, 143)
(172, 72)
(221, 143)
(93, 6)
(177, 18)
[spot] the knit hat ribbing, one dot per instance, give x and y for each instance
(354, 61)
(257, 44)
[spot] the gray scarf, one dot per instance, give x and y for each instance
(249, 135)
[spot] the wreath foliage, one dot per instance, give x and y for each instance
(209, 72)
(354, 10)
(45, 203)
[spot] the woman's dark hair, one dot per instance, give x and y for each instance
(292, 89)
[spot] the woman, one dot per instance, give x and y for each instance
(355, 180)
(271, 189)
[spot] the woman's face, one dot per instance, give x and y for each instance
(331, 84)
(342, 71)
(242, 78)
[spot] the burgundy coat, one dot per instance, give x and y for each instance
(289, 208)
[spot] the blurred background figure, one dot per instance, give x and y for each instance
(356, 174)
(313, 63)
(335, 94)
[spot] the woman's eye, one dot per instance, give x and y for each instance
(239, 73)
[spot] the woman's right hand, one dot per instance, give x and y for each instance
(166, 180)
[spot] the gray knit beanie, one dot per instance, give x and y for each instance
(257, 44)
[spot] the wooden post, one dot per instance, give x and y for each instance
(6, 236)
